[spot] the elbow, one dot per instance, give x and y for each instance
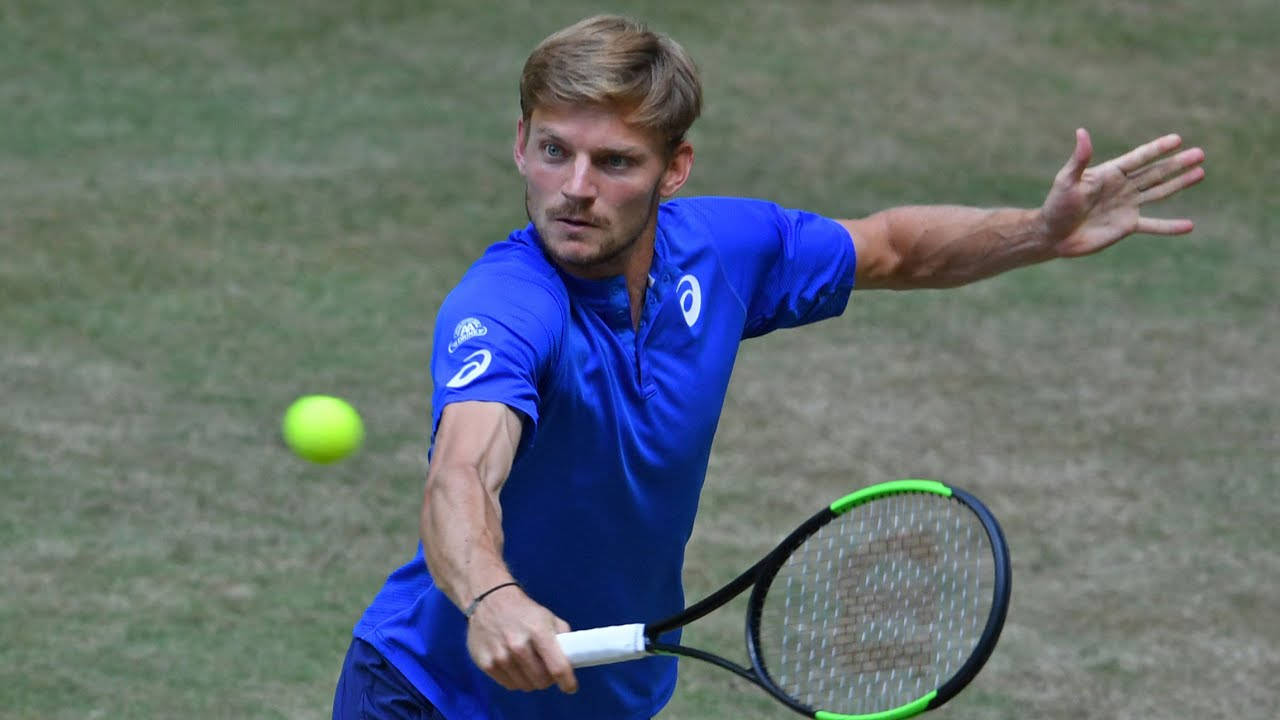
(926, 276)
(898, 270)
(885, 253)
(916, 262)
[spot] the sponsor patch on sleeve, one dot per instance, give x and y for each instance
(465, 330)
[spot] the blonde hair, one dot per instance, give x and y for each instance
(615, 61)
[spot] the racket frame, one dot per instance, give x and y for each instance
(760, 575)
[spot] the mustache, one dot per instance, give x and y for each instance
(576, 213)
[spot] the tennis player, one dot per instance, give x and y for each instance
(580, 368)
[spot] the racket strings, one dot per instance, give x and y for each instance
(880, 606)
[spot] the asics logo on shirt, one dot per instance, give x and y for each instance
(690, 299)
(476, 363)
(465, 330)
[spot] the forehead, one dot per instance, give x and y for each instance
(592, 127)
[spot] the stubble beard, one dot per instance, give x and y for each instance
(612, 247)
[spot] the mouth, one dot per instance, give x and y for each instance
(575, 222)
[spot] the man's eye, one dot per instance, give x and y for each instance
(553, 151)
(618, 162)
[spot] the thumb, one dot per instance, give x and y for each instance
(1075, 167)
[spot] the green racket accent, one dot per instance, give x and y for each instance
(892, 487)
(905, 711)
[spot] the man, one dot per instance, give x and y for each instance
(580, 367)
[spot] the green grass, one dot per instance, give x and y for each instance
(208, 209)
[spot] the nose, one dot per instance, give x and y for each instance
(581, 185)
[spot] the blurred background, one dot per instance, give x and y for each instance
(210, 208)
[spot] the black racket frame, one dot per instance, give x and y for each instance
(759, 576)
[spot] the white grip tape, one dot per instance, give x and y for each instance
(603, 645)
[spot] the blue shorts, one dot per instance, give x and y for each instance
(370, 688)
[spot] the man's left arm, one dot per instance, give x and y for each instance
(1087, 210)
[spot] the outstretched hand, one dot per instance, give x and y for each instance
(1091, 208)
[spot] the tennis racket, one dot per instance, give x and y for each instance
(881, 606)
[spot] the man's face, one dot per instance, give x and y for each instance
(592, 185)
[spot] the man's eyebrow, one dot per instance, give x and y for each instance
(628, 150)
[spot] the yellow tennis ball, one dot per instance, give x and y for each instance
(322, 429)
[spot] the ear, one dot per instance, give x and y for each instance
(678, 168)
(517, 152)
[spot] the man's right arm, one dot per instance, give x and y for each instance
(510, 637)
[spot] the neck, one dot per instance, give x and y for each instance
(633, 265)
(636, 269)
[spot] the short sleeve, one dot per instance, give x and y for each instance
(789, 267)
(496, 338)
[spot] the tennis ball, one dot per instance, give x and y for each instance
(322, 429)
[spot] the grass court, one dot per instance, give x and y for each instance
(210, 208)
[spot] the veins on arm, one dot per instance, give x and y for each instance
(461, 518)
(944, 246)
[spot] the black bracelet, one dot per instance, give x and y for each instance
(476, 603)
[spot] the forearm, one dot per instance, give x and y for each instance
(461, 530)
(461, 520)
(946, 246)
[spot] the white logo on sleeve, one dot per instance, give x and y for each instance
(465, 330)
(476, 363)
(690, 299)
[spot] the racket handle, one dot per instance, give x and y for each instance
(599, 646)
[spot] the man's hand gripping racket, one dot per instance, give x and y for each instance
(882, 605)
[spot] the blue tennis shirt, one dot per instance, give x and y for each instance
(619, 421)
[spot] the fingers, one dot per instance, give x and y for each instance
(1080, 157)
(1165, 189)
(518, 647)
(556, 664)
(506, 666)
(1158, 226)
(516, 665)
(1151, 181)
(1163, 179)
(526, 668)
(1136, 158)
(1156, 173)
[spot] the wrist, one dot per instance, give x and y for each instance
(474, 605)
(1044, 241)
